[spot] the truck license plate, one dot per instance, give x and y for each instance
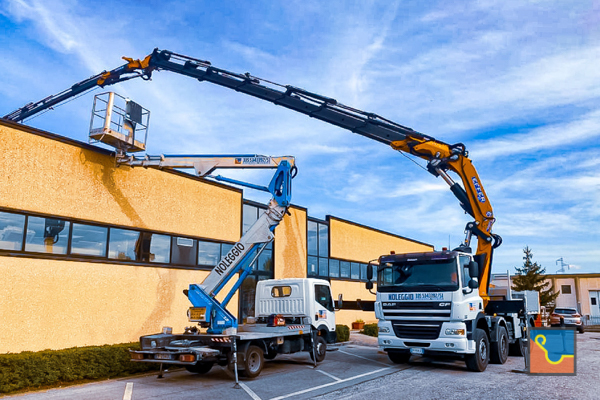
(163, 356)
(417, 351)
(197, 313)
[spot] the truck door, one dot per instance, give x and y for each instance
(324, 307)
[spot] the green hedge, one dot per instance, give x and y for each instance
(343, 333)
(370, 329)
(30, 370)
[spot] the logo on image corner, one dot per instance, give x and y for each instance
(552, 351)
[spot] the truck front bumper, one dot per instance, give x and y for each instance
(453, 344)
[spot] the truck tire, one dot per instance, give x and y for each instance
(499, 350)
(478, 362)
(320, 349)
(398, 357)
(253, 362)
(517, 349)
(200, 368)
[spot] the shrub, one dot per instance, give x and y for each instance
(29, 370)
(370, 329)
(343, 333)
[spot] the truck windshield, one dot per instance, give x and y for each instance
(411, 276)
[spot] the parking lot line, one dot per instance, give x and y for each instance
(329, 375)
(329, 384)
(364, 358)
(128, 391)
(249, 391)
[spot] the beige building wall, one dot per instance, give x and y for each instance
(290, 245)
(350, 241)
(55, 177)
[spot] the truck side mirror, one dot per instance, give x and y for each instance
(369, 285)
(473, 270)
(339, 302)
(370, 274)
(473, 284)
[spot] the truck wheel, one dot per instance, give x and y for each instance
(499, 350)
(200, 368)
(398, 357)
(320, 349)
(478, 362)
(517, 348)
(253, 363)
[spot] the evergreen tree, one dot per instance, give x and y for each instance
(531, 277)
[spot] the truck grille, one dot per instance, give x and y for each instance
(417, 310)
(417, 329)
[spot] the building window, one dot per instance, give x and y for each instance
(89, 240)
(154, 248)
(47, 235)
(344, 269)
(208, 253)
(183, 251)
(565, 289)
(12, 227)
(593, 301)
(318, 249)
(354, 270)
(334, 268)
(124, 244)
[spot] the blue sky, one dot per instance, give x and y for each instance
(517, 82)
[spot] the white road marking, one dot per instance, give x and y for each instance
(329, 375)
(249, 391)
(364, 358)
(128, 391)
(329, 384)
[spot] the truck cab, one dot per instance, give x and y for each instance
(425, 302)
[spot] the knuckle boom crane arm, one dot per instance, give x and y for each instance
(441, 157)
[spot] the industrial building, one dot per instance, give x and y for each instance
(578, 291)
(127, 241)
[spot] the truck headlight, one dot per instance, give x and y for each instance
(458, 332)
(384, 329)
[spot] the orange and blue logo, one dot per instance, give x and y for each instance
(552, 351)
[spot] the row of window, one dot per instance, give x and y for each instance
(327, 268)
(27, 233)
(33, 234)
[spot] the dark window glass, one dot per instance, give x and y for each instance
(323, 296)
(89, 240)
(265, 260)
(323, 240)
(281, 291)
(249, 216)
(312, 239)
(225, 249)
(566, 289)
(464, 262)
(11, 231)
(344, 269)
(312, 266)
(247, 297)
(155, 248)
(363, 272)
(593, 301)
(183, 251)
(355, 271)
(47, 235)
(334, 268)
(123, 244)
(208, 253)
(323, 267)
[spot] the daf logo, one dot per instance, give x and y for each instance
(444, 304)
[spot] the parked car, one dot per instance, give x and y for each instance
(566, 317)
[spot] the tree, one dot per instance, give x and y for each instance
(531, 277)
